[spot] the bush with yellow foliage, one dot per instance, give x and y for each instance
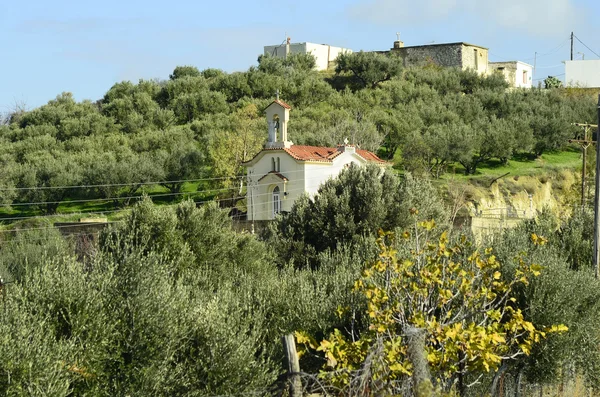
(455, 293)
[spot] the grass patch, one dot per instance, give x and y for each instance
(73, 208)
(520, 165)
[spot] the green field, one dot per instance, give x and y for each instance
(74, 208)
(521, 165)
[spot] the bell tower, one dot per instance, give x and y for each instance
(278, 115)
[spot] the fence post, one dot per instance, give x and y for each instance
(295, 383)
(421, 380)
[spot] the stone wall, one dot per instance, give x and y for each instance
(475, 58)
(459, 55)
(447, 55)
(507, 69)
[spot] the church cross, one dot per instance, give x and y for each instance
(277, 94)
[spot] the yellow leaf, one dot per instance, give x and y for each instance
(559, 328)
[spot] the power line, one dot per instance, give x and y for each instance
(130, 183)
(550, 66)
(593, 52)
(544, 78)
(88, 213)
(153, 195)
(119, 184)
(196, 202)
(552, 51)
(121, 197)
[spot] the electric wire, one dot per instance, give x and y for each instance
(241, 197)
(544, 78)
(552, 51)
(233, 177)
(119, 197)
(196, 202)
(139, 196)
(550, 66)
(585, 45)
(119, 184)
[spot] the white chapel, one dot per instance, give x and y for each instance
(282, 171)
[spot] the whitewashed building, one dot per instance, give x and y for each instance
(324, 54)
(518, 74)
(282, 171)
(583, 73)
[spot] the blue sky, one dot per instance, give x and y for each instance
(84, 47)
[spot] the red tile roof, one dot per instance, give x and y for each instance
(312, 153)
(318, 153)
(326, 154)
(281, 103)
(369, 156)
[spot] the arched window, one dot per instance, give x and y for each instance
(278, 164)
(273, 164)
(276, 127)
(276, 201)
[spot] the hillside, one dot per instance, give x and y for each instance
(186, 136)
(367, 279)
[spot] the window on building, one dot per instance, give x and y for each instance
(525, 80)
(273, 164)
(475, 53)
(278, 165)
(276, 201)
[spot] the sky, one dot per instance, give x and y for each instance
(84, 47)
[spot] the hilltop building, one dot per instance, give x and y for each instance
(324, 54)
(282, 171)
(464, 56)
(458, 55)
(518, 74)
(583, 73)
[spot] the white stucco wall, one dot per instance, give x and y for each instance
(524, 71)
(260, 194)
(324, 54)
(516, 73)
(316, 173)
(304, 177)
(583, 73)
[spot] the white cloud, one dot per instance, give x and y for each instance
(538, 17)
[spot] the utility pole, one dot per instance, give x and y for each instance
(597, 205)
(584, 143)
(572, 35)
(534, 65)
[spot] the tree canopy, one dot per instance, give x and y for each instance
(202, 124)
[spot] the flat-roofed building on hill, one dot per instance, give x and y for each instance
(582, 73)
(518, 74)
(459, 55)
(324, 54)
(465, 56)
